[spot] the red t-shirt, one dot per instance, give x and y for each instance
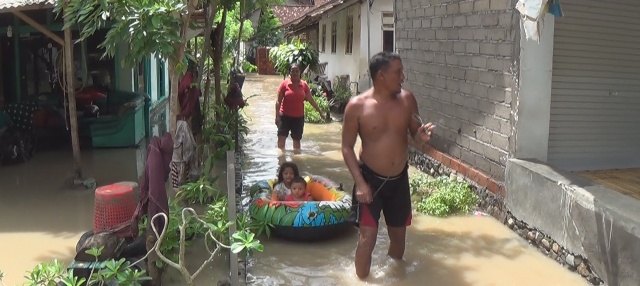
(294, 95)
(306, 197)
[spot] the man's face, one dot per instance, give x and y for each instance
(393, 76)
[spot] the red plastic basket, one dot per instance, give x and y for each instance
(114, 205)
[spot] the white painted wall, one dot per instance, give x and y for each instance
(356, 64)
(340, 63)
(534, 95)
(375, 20)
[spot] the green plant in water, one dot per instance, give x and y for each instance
(443, 196)
(310, 113)
(341, 91)
(201, 191)
(249, 67)
(217, 216)
(220, 130)
(287, 54)
(119, 271)
(171, 241)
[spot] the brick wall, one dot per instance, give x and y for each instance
(457, 57)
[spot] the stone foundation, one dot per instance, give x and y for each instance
(495, 206)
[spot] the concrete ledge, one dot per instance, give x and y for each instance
(588, 219)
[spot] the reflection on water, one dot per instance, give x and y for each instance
(452, 251)
(41, 219)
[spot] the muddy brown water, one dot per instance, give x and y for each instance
(41, 220)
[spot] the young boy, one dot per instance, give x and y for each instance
(298, 190)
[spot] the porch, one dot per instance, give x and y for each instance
(624, 181)
(31, 75)
(576, 172)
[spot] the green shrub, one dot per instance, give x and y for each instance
(442, 196)
(310, 113)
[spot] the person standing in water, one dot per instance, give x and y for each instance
(292, 93)
(381, 116)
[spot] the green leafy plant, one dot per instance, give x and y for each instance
(201, 191)
(341, 93)
(171, 242)
(248, 67)
(268, 32)
(310, 113)
(286, 54)
(53, 273)
(220, 131)
(443, 196)
(246, 240)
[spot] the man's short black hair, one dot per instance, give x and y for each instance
(381, 61)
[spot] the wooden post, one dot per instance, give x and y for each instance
(231, 199)
(71, 95)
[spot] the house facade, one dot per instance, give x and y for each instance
(346, 43)
(522, 116)
(29, 58)
(346, 34)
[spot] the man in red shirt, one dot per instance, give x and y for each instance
(292, 93)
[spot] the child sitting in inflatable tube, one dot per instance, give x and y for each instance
(282, 188)
(299, 190)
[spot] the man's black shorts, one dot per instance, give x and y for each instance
(391, 195)
(295, 125)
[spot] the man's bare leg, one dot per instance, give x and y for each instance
(397, 237)
(296, 144)
(281, 141)
(364, 251)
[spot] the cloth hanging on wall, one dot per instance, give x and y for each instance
(533, 13)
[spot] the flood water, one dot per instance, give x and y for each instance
(454, 251)
(40, 220)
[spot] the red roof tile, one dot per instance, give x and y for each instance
(286, 14)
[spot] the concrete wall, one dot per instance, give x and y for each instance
(586, 218)
(458, 58)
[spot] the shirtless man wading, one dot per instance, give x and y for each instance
(381, 116)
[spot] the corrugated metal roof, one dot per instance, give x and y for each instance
(8, 4)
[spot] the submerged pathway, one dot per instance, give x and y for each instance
(454, 251)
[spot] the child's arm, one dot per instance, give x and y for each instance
(274, 196)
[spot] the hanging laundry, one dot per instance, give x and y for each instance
(532, 12)
(555, 9)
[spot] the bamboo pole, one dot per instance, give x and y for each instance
(231, 199)
(71, 96)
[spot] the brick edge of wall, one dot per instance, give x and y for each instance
(462, 169)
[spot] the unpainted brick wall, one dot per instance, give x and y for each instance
(457, 57)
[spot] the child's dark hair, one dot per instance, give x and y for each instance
(284, 166)
(298, 179)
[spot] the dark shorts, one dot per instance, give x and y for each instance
(392, 195)
(295, 125)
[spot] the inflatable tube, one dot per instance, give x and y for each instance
(324, 217)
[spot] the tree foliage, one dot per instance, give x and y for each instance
(268, 32)
(146, 26)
